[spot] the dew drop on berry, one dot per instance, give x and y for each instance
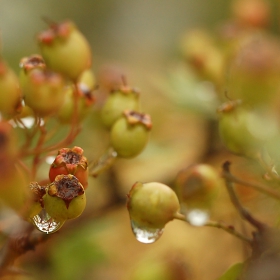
(144, 234)
(197, 217)
(45, 223)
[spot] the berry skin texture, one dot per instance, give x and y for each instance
(152, 204)
(130, 134)
(65, 49)
(65, 198)
(119, 100)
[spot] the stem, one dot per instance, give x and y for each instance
(261, 188)
(103, 163)
(74, 131)
(228, 228)
(235, 201)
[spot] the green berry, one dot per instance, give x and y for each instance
(130, 134)
(125, 98)
(65, 49)
(152, 205)
(244, 131)
(197, 186)
(83, 102)
(65, 198)
(43, 91)
(10, 94)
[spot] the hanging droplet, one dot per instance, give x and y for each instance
(197, 217)
(145, 234)
(45, 223)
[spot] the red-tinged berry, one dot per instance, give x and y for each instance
(251, 13)
(65, 49)
(70, 161)
(254, 71)
(10, 93)
(65, 198)
(124, 98)
(130, 134)
(43, 91)
(152, 205)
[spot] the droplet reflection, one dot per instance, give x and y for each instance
(45, 223)
(197, 217)
(146, 235)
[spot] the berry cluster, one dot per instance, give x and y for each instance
(56, 88)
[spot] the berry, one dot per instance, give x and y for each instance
(125, 98)
(84, 101)
(254, 71)
(130, 134)
(65, 198)
(43, 91)
(65, 49)
(244, 132)
(70, 161)
(197, 186)
(10, 94)
(152, 205)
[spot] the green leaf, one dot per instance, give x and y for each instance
(233, 272)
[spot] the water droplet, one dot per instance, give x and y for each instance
(198, 217)
(45, 223)
(145, 234)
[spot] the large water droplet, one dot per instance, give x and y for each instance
(146, 234)
(45, 223)
(197, 217)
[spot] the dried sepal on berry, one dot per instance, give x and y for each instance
(70, 161)
(35, 203)
(65, 198)
(65, 49)
(123, 98)
(152, 205)
(10, 93)
(130, 134)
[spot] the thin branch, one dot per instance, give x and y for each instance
(261, 188)
(220, 225)
(235, 201)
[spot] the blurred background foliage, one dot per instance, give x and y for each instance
(140, 39)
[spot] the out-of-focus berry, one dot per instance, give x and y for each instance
(65, 49)
(254, 71)
(84, 101)
(125, 98)
(44, 91)
(251, 13)
(10, 93)
(197, 186)
(244, 131)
